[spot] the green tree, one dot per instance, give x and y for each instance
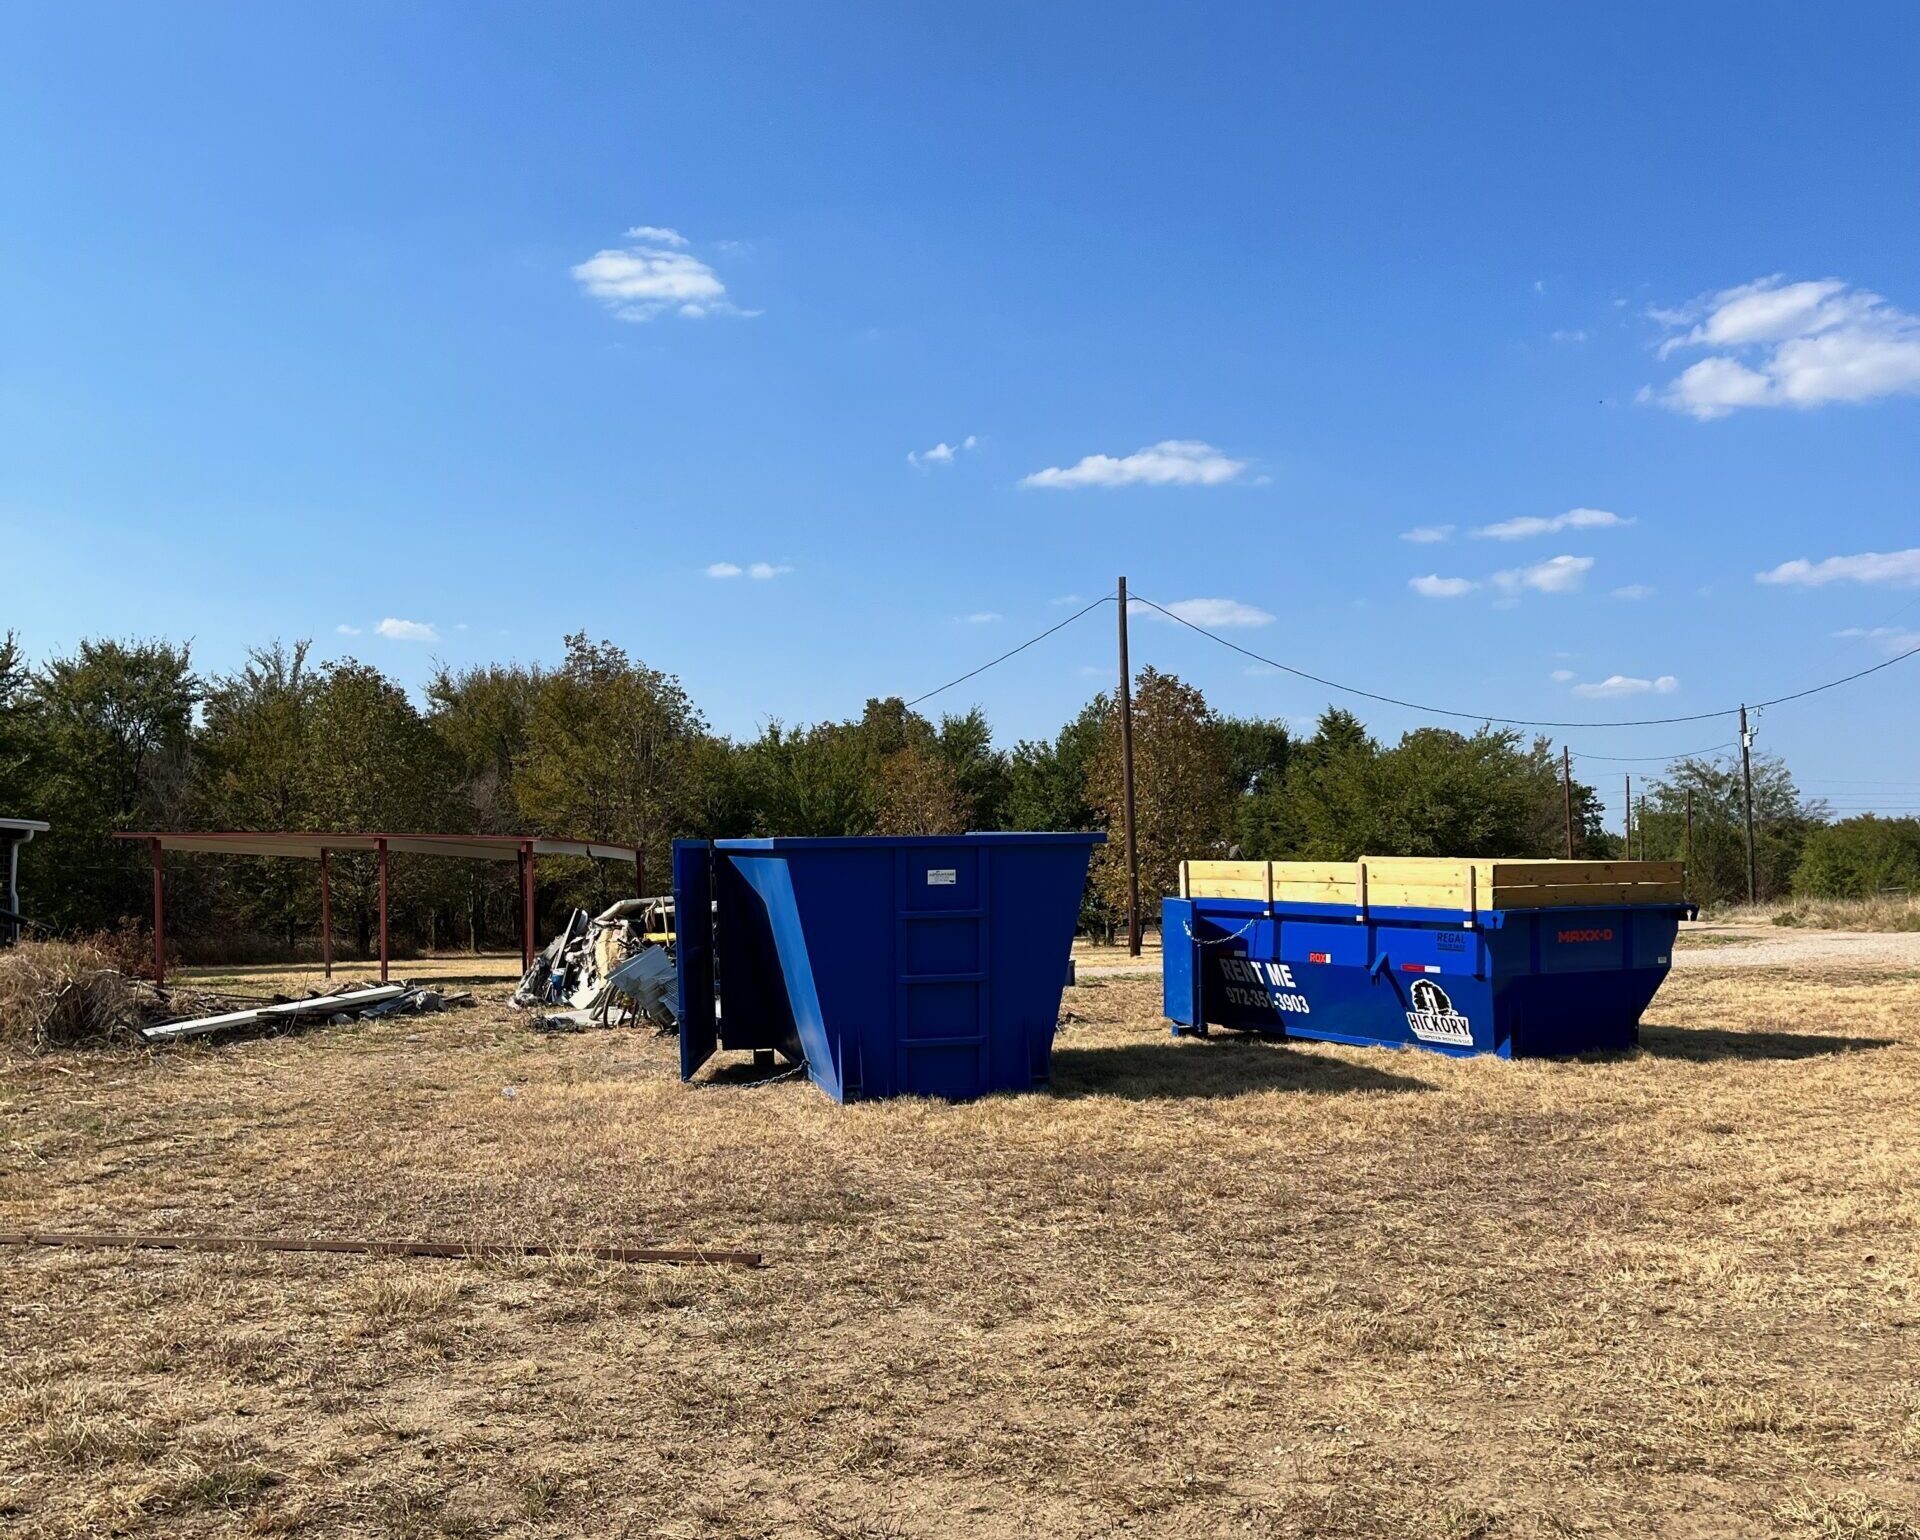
(964, 745)
(814, 781)
(1717, 872)
(1859, 857)
(920, 793)
(1182, 797)
(256, 769)
(112, 724)
(610, 743)
(378, 767)
(1047, 782)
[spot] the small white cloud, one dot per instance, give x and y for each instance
(942, 453)
(1064, 599)
(1428, 534)
(653, 275)
(1561, 675)
(1889, 639)
(1171, 462)
(982, 618)
(1625, 684)
(1434, 586)
(1556, 575)
(1211, 613)
(1573, 518)
(763, 570)
(407, 631)
(346, 630)
(1571, 335)
(1893, 569)
(1788, 344)
(1633, 591)
(724, 569)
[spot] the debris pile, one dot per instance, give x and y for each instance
(335, 1006)
(620, 960)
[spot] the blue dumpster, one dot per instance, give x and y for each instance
(1459, 958)
(926, 966)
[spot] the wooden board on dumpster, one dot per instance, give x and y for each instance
(1438, 882)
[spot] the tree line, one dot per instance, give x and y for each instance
(129, 735)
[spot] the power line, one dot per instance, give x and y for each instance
(1482, 716)
(970, 673)
(1642, 759)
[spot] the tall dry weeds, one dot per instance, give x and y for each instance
(56, 994)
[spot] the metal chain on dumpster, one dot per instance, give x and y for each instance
(1221, 941)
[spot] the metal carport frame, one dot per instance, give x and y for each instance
(308, 847)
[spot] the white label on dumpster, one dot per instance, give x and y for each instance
(942, 876)
(1433, 1018)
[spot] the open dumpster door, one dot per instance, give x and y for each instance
(693, 953)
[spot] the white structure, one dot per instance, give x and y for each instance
(16, 832)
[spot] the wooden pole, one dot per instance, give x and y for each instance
(1126, 783)
(1746, 778)
(159, 919)
(1566, 792)
(1626, 816)
(326, 912)
(639, 872)
(381, 846)
(1686, 869)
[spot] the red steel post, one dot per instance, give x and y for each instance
(526, 907)
(159, 920)
(326, 912)
(381, 845)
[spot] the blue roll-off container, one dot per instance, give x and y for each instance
(1517, 982)
(912, 966)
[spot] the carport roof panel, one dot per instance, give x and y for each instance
(304, 846)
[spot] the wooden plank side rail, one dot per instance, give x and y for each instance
(1437, 882)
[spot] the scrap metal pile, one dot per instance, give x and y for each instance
(335, 1006)
(620, 960)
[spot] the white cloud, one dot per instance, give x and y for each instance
(1634, 591)
(1572, 335)
(1889, 639)
(1895, 569)
(1171, 462)
(1788, 344)
(1532, 524)
(1211, 613)
(407, 631)
(1428, 534)
(942, 453)
(1065, 599)
(983, 617)
(759, 569)
(1561, 675)
(346, 630)
(652, 275)
(1556, 575)
(1433, 586)
(1625, 684)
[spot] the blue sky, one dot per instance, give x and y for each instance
(489, 323)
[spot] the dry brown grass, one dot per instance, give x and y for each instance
(1895, 912)
(1203, 1288)
(54, 993)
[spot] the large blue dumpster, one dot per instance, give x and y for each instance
(927, 966)
(1460, 958)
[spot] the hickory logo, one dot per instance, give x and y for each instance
(1433, 1018)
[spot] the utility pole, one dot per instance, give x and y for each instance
(1126, 783)
(1686, 870)
(1746, 778)
(1566, 792)
(1643, 826)
(1626, 818)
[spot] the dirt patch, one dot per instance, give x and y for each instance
(1207, 1287)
